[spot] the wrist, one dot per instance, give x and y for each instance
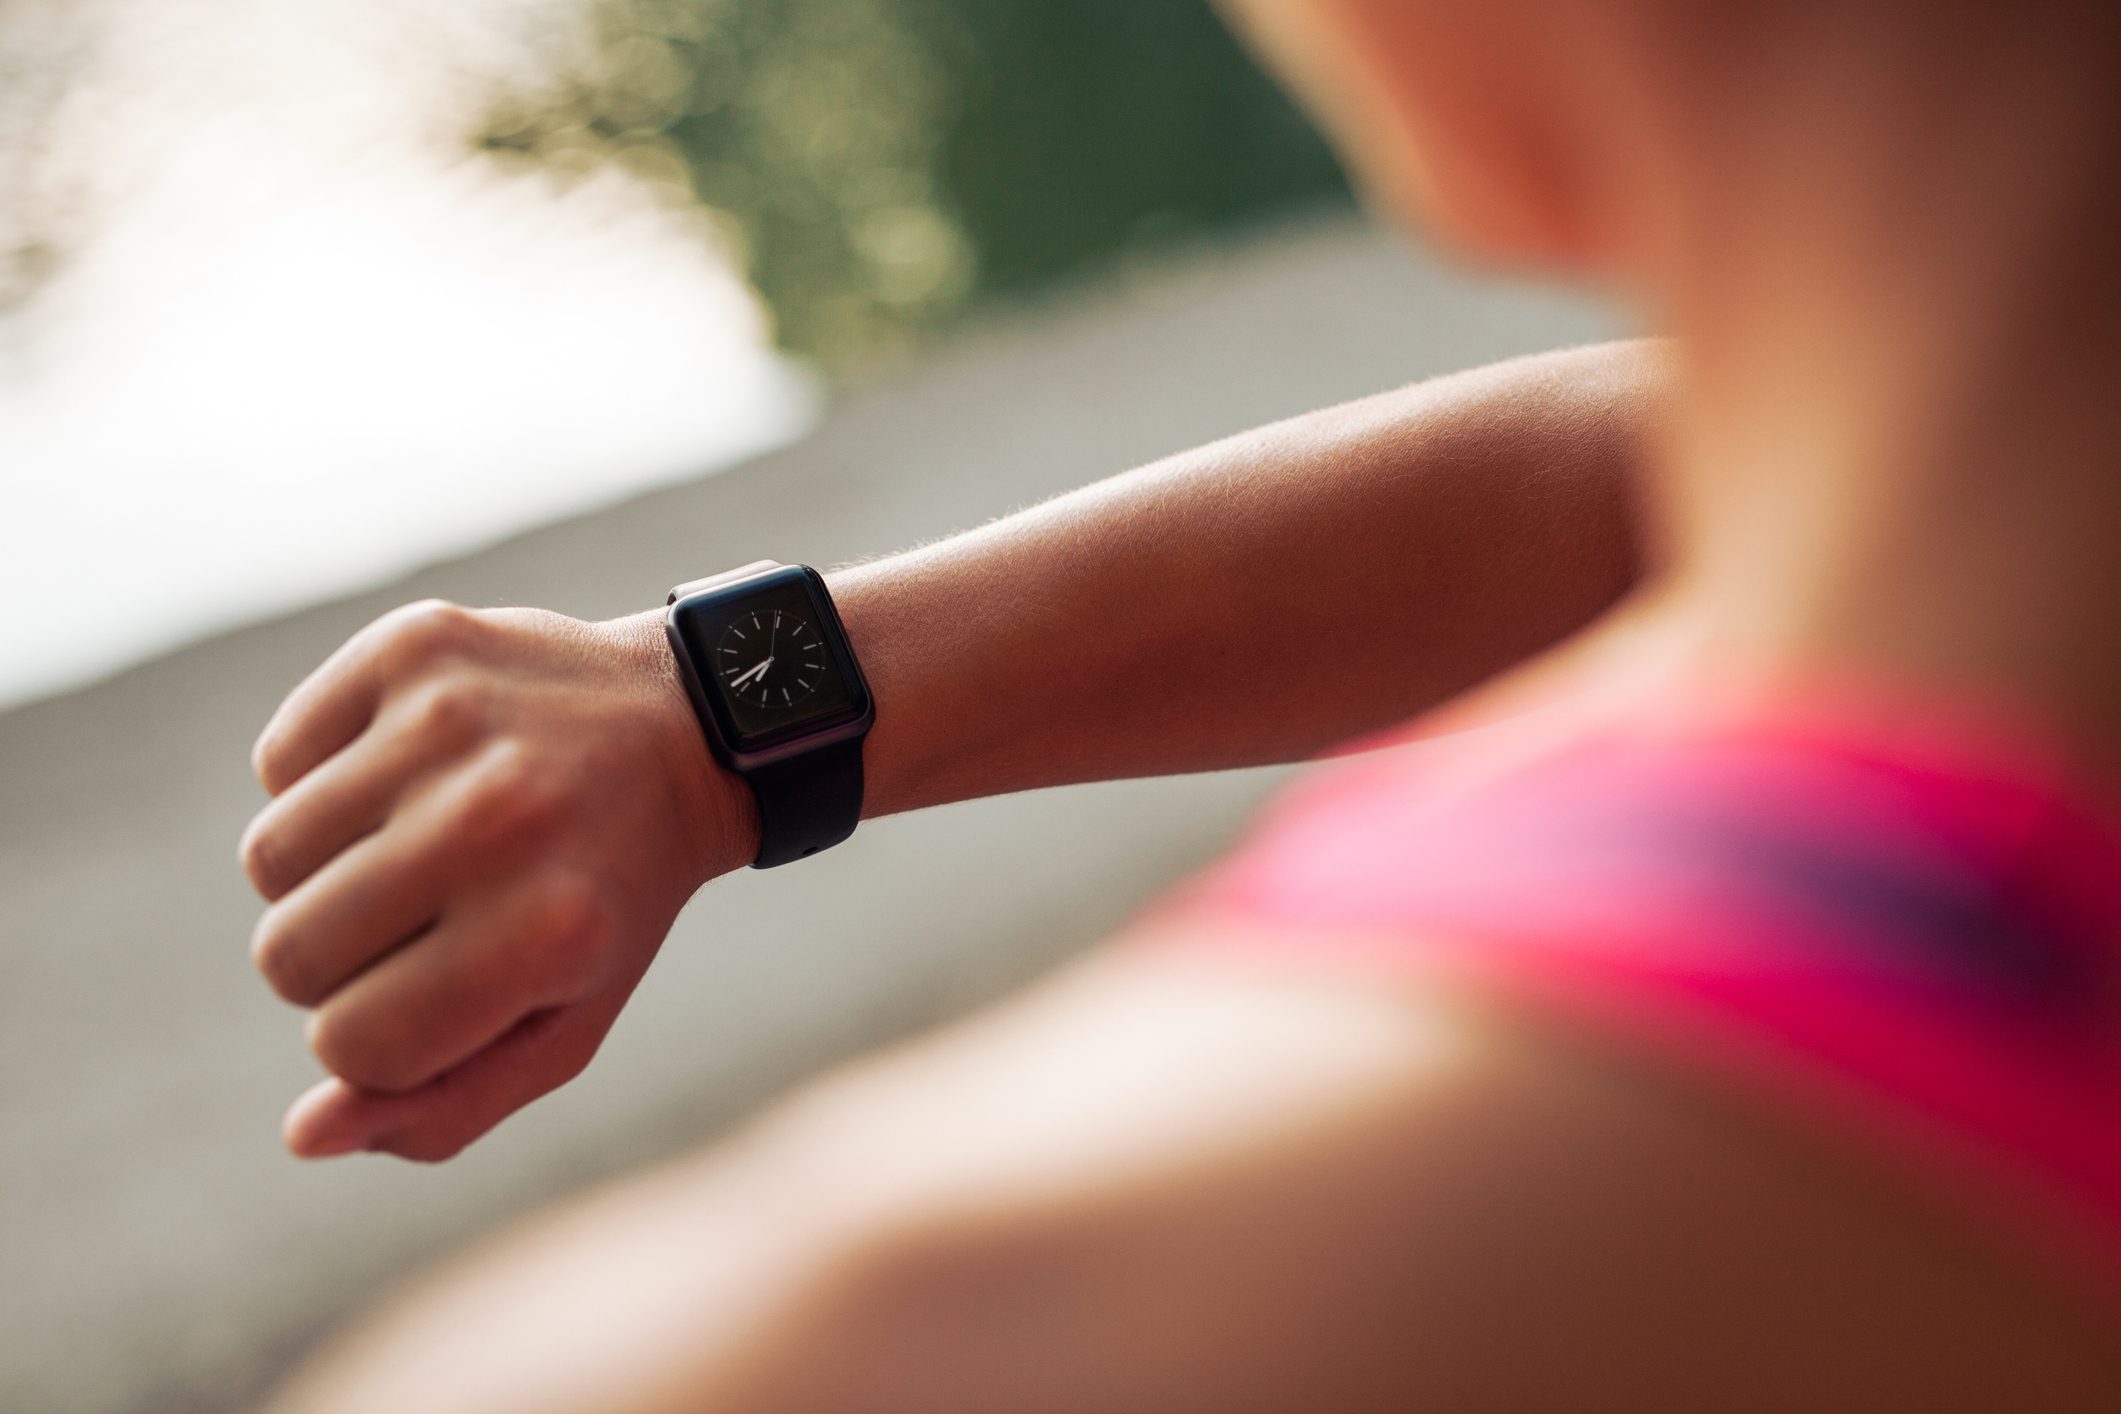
(714, 814)
(923, 749)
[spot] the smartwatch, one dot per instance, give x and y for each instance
(777, 689)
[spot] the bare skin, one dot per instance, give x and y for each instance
(1881, 231)
(459, 791)
(1179, 1183)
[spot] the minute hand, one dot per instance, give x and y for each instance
(758, 670)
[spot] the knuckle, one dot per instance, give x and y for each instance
(420, 632)
(260, 855)
(450, 711)
(268, 763)
(275, 953)
(360, 1051)
(571, 929)
(510, 795)
(433, 617)
(547, 961)
(273, 758)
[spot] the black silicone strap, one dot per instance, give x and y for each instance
(808, 802)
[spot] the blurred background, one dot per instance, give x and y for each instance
(309, 309)
(294, 294)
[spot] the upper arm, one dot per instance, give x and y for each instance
(1175, 1181)
(1284, 1190)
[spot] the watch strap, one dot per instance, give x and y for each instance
(807, 803)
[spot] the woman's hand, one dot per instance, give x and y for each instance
(483, 824)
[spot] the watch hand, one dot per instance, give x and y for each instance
(757, 670)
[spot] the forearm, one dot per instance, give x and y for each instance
(542, 786)
(1262, 598)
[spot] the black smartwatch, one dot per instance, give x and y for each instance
(783, 702)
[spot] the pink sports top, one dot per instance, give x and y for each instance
(1902, 924)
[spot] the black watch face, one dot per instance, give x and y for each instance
(769, 660)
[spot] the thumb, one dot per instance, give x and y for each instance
(434, 1122)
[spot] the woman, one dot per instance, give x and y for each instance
(1732, 1025)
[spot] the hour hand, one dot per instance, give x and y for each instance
(757, 670)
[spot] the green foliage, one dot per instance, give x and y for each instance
(883, 165)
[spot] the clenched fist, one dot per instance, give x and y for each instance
(482, 826)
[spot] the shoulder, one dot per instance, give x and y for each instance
(1187, 1181)
(1175, 1177)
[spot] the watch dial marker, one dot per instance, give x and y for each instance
(769, 659)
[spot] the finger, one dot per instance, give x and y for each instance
(335, 703)
(381, 890)
(436, 1121)
(453, 992)
(350, 795)
(376, 894)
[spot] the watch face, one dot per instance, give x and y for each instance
(770, 660)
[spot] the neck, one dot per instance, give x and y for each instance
(1902, 449)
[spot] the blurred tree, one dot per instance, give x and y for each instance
(880, 166)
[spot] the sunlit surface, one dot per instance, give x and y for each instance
(271, 331)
